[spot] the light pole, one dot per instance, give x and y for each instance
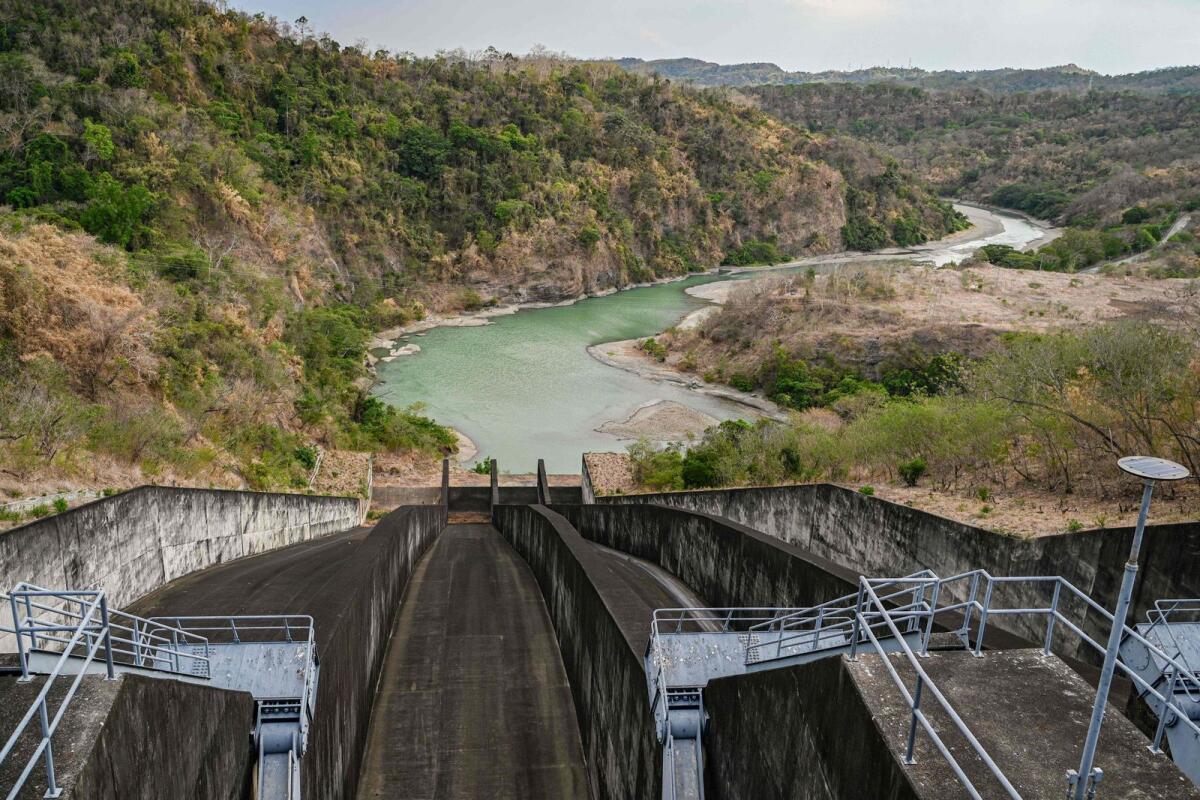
(1082, 782)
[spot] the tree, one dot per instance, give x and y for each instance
(116, 213)
(98, 140)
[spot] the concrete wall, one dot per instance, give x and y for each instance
(603, 664)
(587, 493)
(135, 542)
(727, 564)
(797, 732)
(164, 738)
(875, 537)
(352, 656)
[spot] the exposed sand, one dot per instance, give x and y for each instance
(467, 449)
(661, 421)
(628, 355)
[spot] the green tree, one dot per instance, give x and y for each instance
(116, 213)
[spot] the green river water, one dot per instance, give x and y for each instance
(524, 387)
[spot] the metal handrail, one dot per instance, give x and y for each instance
(239, 626)
(784, 620)
(49, 727)
(923, 684)
(1182, 678)
(140, 643)
(1161, 615)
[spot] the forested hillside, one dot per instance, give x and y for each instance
(1120, 168)
(1068, 77)
(209, 212)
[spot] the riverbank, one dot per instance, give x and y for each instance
(387, 339)
(525, 386)
(628, 355)
(986, 223)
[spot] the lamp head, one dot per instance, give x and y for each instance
(1149, 468)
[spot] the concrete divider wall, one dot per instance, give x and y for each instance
(586, 491)
(605, 669)
(876, 537)
(170, 739)
(725, 563)
(797, 732)
(351, 659)
(137, 541)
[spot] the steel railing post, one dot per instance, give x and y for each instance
(817, 628)
(17, 628)
(972, 596)
(33, 642)
(1053, 617)
(52, 789)
(933, 601)
(107, 633)
(1167, 711)
(917, 598)
(909, 755)
(856, 632)
(983, 617)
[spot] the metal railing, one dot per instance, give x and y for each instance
(1166, 613)
(1062, 594)
(79, 626)
(815, 626)
(871, 605)
(47, 619)
(889, 611)
(296, 628)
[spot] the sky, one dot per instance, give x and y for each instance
(1111, 36)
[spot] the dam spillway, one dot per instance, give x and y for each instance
(486, 644)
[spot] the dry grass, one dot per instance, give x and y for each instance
(865, 316)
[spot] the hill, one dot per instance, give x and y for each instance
(1069, 77)
(1119, 167)
(243, 202)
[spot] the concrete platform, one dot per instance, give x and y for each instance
(473, 701)
(134, 738)
(1030, 712)
(76, 734)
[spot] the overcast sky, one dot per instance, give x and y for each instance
(1111, 36)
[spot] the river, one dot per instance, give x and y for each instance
(524, 386)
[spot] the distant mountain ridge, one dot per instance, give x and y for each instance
(1067, 77)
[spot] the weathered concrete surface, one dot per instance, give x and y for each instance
(725, 563)
(876, 537)
(1030, 712)
(836, 729)
(473, 700)
(798, 732)
(76, 735)
(164, 738)
(135, 542)
(469, 498)
(135, 738)
(602, 659)
(351, 584)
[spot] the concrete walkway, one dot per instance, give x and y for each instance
(473, 701)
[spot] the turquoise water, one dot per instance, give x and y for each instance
(524, 387)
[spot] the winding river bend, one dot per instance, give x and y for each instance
(524, 386)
